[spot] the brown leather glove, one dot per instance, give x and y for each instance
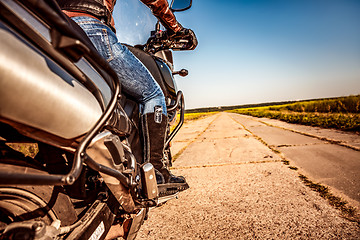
(186, 34)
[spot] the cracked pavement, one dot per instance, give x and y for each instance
(240, 189)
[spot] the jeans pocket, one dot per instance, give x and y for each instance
(100, 39)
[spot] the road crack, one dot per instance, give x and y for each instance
(195, 138)
(299, 145)
(225, 164)
(348, 211)
(261, 140)
(332, 141)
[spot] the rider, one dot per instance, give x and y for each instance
(95, 18)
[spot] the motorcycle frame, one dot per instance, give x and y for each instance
(77, 50)
(180, 103)
(80, 154)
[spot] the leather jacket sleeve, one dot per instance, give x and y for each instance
(161, 10)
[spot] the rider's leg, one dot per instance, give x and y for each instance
(138, 83)
(154, 127)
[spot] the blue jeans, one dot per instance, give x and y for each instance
(135, 79)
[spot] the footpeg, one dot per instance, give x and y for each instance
(171, 188)
(164, 199)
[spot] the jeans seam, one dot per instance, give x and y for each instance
(111, 57)
(87, 22)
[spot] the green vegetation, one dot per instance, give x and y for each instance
(28, 149)
(227, 108)
(349, 104)
(341, 113)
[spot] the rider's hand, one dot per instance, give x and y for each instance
(184, 34)
(188, 34)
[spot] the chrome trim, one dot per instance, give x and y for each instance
(95, 77)
(162, 200)
(32, 22)
(149, 180)
(180, 103)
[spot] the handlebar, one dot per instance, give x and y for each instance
(161, 40)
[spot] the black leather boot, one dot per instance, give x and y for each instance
(154, 127)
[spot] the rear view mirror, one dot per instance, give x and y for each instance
(180, 5)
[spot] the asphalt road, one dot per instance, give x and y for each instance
(329, 157)
(240, 189)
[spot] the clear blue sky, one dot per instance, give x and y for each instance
(253, 51)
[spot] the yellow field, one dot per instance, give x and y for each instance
(340, 113)
(194, 116)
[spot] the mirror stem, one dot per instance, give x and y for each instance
(157, 26)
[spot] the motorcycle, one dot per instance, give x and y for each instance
(59, 94)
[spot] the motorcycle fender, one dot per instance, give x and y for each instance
(97, 223)
(136, 223)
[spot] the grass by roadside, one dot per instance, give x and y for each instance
(191, 117)
(195, 116)
(341, 113)
(28, 149)
(350, 104)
